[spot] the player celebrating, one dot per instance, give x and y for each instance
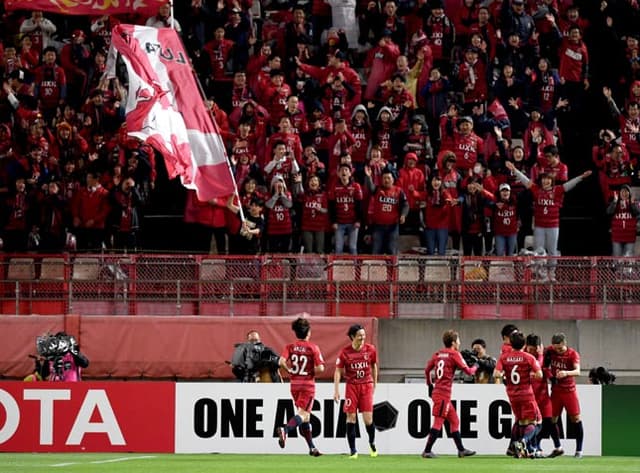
(445, 362)
(505, 333)
(564, 364)
(518, 367)
(302, 360)
(358, 362)
(541, 392)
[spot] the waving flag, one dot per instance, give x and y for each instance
(165, 108)
(87, 7)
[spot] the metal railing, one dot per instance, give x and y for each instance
(407, 286)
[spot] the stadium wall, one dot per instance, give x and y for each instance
(192, 348)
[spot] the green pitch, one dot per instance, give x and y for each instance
(154, 463)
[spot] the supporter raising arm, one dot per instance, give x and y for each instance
(547, 202)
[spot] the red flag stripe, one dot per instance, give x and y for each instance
(165, 107)
(87, 7)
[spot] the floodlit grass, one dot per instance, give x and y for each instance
(154, 463)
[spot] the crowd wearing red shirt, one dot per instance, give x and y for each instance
(442, 93)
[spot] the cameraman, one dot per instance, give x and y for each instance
(601, 375)
(486, 364)
(254, 362)
(63, 360)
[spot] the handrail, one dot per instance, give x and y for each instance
(378, 286)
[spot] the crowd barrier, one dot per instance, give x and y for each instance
(527, 287)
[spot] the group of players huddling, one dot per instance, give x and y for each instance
(524, 367)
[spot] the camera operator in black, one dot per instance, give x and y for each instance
(486, 364)
(601, 375)
(60, 358)
(254, 362)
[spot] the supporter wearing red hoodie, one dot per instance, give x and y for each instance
(90, 208)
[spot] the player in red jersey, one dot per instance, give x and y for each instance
(517, 368)
(302, 360)
(541, 392)
(505, 333)
(564, 365)
(443, 364)
(358, 362)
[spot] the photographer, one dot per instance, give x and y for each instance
(253, 362)
(478, 356)
(601, 375)
(61, 359)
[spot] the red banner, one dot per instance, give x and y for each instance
(87, 417)
(88, 7)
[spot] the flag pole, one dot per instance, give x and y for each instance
(173, 26)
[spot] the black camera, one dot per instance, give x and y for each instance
(53, 348)
(601, 375)
(250, 359)
(469, 357)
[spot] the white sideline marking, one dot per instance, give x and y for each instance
(113, 460)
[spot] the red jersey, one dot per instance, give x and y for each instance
(338, 143)
(319, 129)
(468, 149)
(240, 95)
(219, 53)
(560, 172)
(623, 223)
(547, 205)
(385, 205)
(361, 140)
(440, 32)
(506, 348)
(445, 362)
(291, 141)
(629, 134)
(315, 212)
(518, 366)
(346, 198)
(18, 207)
(91, 204)
(438, 209)
(275, 101)
(298, 119)
(396, 102)
(541, 387)
(566, 361)
(574, 59)
(357, 364)
(382, 138)
(547, 91)
(302, 357)
(50, 82)
(473, 76)
(505, 219)
(279, 219)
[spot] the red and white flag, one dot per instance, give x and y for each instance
(165, 108)
(87, 7)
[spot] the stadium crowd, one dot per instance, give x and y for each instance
(345, 123)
